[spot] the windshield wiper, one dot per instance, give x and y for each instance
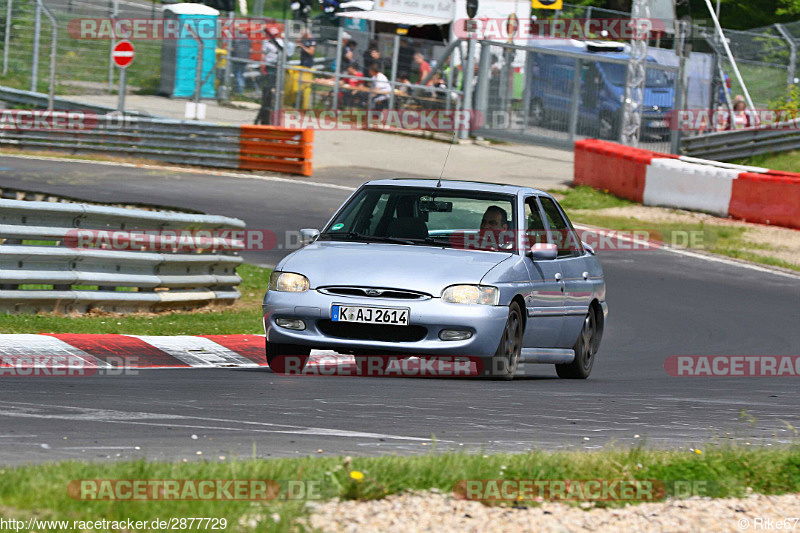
(369, 238)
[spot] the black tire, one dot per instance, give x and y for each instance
(536, 115)
(585, 349)
(506, 359)
(278, 363)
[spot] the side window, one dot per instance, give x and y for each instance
(534, 226)
(561, 232)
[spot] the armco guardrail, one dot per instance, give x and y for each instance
(175, 141)
(34, 100)
(737, 144)
(67, 277)
(748, 193)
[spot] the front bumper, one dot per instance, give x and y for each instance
(484, 321)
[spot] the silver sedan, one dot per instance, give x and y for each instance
(442, 268)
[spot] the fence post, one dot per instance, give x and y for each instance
(37, 26)
(113, 42)
(338, 63)
(572, 126)
(53, 49)
(481, 87)
(395, 53)
(7, 36)
(792, 53)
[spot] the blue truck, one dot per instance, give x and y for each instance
(602, 90)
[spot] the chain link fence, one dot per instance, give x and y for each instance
(556, 94)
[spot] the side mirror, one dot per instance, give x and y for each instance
(543, 251)
(588, 248)
(308, 235)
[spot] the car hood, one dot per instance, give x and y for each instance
(412, 267)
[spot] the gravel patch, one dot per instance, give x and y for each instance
(442, 513)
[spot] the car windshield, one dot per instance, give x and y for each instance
(435, 217)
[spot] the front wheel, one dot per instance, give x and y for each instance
(506, 359)
(287, 358)
(585, 350)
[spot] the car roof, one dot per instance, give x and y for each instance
(461, 185)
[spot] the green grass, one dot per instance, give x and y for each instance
(242, 317)
(40, 490)
(720, 239)
(584, 197)
(785, 161)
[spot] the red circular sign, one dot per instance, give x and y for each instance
(122, 54)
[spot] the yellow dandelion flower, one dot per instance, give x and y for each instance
(355, 474)
(698, 452)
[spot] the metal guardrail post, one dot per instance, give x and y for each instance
(7, 36)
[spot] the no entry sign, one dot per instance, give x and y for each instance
(123, 54)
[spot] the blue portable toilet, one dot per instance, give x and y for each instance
(180, 50)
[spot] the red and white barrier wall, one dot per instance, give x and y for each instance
(748, 193)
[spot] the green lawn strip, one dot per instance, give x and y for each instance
(243, 317)
(719, 239)
(785, 161)
(41, 490)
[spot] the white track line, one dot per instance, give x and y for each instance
(687, 253)
(187, 170)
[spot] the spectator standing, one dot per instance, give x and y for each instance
(381, 88)
(240, 57)
(307, 45)
(424, 68)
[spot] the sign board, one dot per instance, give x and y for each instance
(546, 4)
(443, 9)
(123, 54)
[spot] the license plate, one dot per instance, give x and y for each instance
(658, 123)
(369, 315)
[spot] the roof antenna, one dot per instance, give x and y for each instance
(439, 183)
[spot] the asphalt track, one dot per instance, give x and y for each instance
(661, 304)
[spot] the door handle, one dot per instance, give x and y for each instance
(585, 275)
(558, 276)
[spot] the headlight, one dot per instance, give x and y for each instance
(471, 294)
(288, 282)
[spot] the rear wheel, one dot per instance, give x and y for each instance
(278, 363)
(585, 349)
(536, 113)
(506, 359)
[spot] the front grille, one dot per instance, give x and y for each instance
(375, 292)
(372, 332)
